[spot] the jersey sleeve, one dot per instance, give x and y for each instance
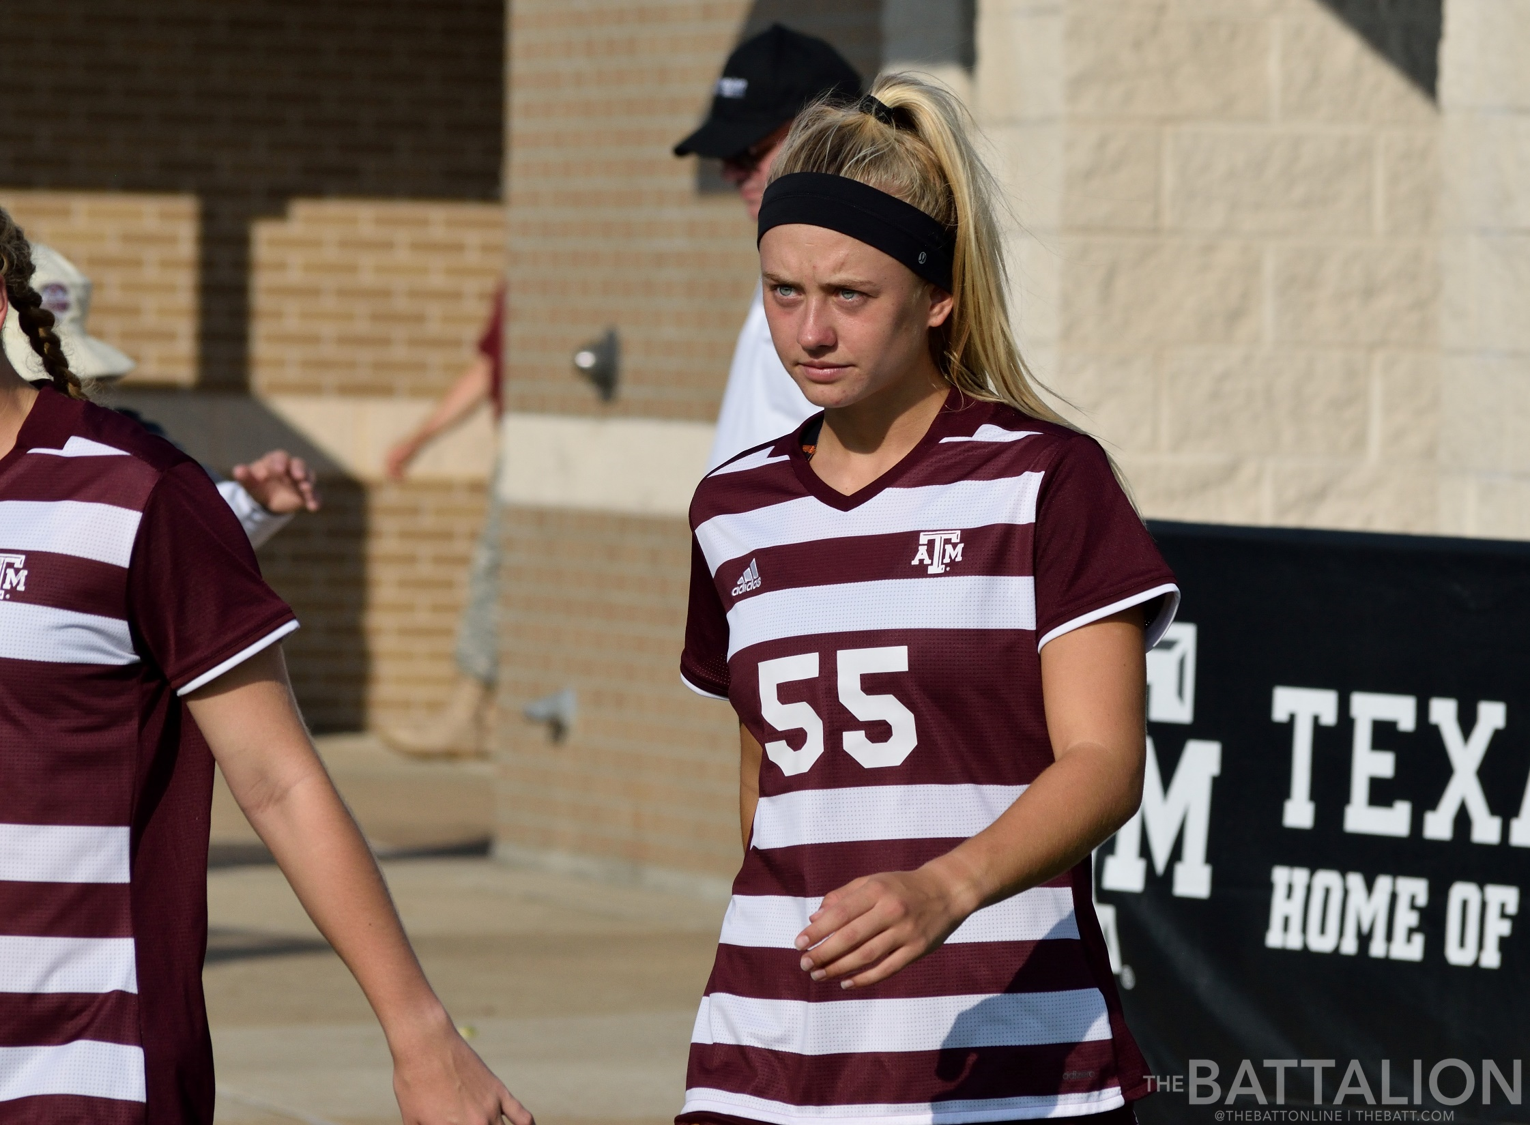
(704, 663)
(1093, 555)
(197, 602)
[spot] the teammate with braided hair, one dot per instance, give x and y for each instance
(36, 322)
(132, 613)
(265, 493)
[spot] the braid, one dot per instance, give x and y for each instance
(36, 322)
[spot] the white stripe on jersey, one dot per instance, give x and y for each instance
(991, 433)
(703, 1099)
(238, 658)
(63, 636)
(961, 504)
(925, 1023)
(85, 1068)
(774, 921)
(103, 532)
(980, 601)
(756, 460)
(64, 853)
(78, 446)
(919, 812)
(67, 964)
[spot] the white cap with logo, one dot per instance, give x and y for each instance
(65, 292)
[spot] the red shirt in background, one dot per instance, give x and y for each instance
(492, 345)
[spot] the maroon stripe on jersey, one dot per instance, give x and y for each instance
(47, 1019)
(995, 549)
(59, 763)
(980, 460)
(964, 969)
(905, 1077)
(813, 870)
(68, 1109)
(93, 910)
(746, 492)
(124, 482)
(69, 582)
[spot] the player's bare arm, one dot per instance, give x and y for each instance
(251, 721)
(1093, 682)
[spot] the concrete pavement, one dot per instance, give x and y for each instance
(579, 994)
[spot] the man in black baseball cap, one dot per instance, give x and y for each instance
(765, 83)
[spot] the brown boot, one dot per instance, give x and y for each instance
(458, 730)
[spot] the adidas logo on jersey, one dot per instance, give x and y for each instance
(938, 549)
(749, 580)
(12, 576)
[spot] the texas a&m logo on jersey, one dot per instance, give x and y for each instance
(938, 549)
(13, 576)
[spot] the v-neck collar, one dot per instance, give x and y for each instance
(818, 487)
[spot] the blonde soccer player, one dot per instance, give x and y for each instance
(929, 606)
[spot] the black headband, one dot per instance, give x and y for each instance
(898, 229)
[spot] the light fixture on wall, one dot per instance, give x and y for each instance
(599, 361)
(556, 710)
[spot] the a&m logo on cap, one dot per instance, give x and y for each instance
(732, 87)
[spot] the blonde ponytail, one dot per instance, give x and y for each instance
(926, 158)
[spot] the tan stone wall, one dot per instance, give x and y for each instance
(1485, 437)
(1234, 271)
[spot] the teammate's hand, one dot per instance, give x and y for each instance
(876, 925)
(280, 483)
(444, 1082)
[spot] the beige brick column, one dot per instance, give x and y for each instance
(1485, 324)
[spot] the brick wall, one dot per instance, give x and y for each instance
(140, 251)
(1236, 282)
(607, 228)
(648, 776)
(371, 297)
(299, 199)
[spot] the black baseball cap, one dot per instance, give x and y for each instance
(764, 84)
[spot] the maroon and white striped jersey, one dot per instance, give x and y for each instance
(884, 649)
(125, 582)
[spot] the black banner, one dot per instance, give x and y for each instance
(1320, 912)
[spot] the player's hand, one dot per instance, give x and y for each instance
(876, 925)
(444, 1082)
(281, 483)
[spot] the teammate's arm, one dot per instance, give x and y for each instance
(750, 753)
(1093, 682)
(251, 721)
